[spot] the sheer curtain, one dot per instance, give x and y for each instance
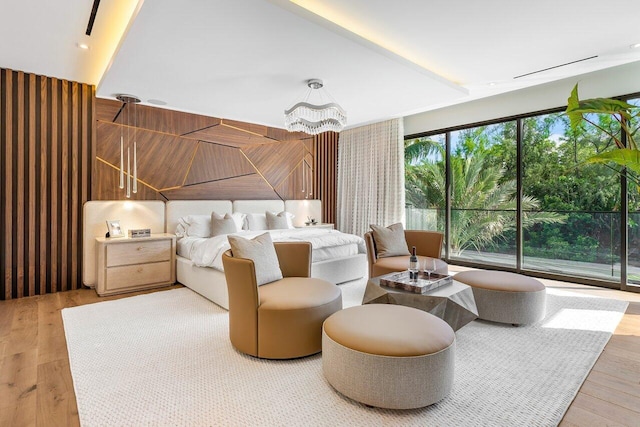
(370, 176)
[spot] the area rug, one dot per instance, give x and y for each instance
(164, 359)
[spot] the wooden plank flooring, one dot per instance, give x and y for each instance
(36, 388)
(611, 393)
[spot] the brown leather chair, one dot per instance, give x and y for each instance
(282, 319)
(428, 245)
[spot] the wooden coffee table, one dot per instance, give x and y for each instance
(452, 303)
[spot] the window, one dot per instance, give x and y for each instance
(425, 178)
(570, 214)
(483, 194)
(578, 204)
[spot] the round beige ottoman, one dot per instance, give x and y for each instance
(506, 297)
(388, 356)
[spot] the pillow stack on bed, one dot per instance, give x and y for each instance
(217, 224)
(269, 221)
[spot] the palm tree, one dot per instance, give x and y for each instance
(484, 206)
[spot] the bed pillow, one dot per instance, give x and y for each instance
(181, 229)
(240, 219)
(222, 224)
(390, 241)
(198, 225)
(290, 217)
(279, 221)
(257, 222)
(263, 254)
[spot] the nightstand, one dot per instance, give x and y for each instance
(132, 264)
(318, 225)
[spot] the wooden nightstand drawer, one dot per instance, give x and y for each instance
(139, 274)
(138, 252)
(126, 265)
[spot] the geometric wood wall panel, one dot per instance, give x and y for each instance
(246, 187)
(248, 127)
(163, 159)
(230, 136)
(298, 185)
(108, 185)
(107, 109)
(46, 134)
(166, 121)
(276, 161)
(203, 169)
(186, 156)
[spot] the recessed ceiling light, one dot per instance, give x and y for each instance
(492, 83)
(635, 46)
(83, 46)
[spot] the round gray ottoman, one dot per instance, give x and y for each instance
(388, 356)
(506, 297)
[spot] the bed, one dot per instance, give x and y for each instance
(199, 269)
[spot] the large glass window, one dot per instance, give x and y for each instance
(577, 203)
(483, 194)
(570, 213)
(425, 183)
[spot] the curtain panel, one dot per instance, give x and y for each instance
(371, 176)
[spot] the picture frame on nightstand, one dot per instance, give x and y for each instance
(114, 228)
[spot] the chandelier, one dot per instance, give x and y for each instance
(317, 115)
(128, 100)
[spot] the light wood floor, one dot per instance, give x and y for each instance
(36, 386)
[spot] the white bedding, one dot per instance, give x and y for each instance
(326, 244)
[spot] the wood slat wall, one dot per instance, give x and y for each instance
(45, 176)
(326, 173)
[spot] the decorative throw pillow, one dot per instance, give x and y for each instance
(278, 222)
(263, 254)
(222, 224)
(390, 241)
(257, 222)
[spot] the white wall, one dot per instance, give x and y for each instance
(621, 80)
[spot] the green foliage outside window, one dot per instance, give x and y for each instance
(570, 205)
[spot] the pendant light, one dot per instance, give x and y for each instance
(129, 100)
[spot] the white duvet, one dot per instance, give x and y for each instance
(325, 243)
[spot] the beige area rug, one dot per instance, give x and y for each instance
(164, 359)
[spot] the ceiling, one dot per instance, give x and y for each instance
(249, 60)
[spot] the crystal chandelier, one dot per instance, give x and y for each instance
(128, 100)
(315, 116)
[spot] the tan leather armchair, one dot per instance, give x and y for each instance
(428, 245)
(282, 319)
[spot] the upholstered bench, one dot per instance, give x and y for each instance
(506, 297)
(388, 356)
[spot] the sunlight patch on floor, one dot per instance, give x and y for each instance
(584, 320)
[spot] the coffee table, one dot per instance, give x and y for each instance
(453, 303)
